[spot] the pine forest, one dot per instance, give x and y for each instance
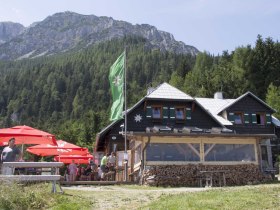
(68, 94)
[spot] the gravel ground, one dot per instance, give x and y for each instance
(124, 197)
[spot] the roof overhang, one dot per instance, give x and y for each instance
(164, 99)
(210, 135)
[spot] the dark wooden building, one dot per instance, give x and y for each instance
(173, 138)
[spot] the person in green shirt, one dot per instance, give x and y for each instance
(103, 165)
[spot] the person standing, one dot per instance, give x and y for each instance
(10, 154)
(72, 168)
(104, 166)
(112, 161)
(112, 166)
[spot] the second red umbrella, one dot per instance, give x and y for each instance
(62, 148)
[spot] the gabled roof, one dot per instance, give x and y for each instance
(213, 116)
(243, 96)
(213, 106)
(163, 91)
(166, 91)
(216, 106)
(106, 129)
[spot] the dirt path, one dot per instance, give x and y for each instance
(124, 197)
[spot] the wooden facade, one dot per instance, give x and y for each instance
(249, 107)
(180, 135)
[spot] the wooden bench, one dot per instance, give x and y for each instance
(54, 176)
(208, 176)
(271, 172)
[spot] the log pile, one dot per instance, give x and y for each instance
(190, 175)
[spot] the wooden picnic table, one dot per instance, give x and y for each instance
(271, 171)
(208, 176)
(54, 176)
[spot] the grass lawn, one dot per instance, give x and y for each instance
(245, 197)
(39, 196)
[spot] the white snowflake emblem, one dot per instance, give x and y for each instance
(138, 118)
(117, 80)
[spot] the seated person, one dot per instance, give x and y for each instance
(86, 173)
(78, 175)
(92, 164)
(82, 176)
(94, 173)
(88, 170)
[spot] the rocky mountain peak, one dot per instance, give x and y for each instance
(68, 30)
(9, 30)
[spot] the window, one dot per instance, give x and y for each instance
(238, 118)
(191, 152)
(260, 118)
(229, 152)
(173, 152)
(179, 114)
(156, 112)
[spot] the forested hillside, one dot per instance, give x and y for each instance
(234, 73)
(255, 69)
(68, 94)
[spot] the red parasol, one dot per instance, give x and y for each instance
(62, 148)
(79, 159)
(26, 135)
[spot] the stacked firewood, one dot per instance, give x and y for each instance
(191, 175)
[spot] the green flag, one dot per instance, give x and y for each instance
(116, 78)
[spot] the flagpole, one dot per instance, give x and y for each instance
(117, 78)
(125, 120)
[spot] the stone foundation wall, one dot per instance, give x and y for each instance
(190, 175)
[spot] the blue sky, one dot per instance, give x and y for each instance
(209, 25)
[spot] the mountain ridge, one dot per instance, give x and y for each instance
(9, 30)
(67, 31)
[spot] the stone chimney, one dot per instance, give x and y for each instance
(218, 95)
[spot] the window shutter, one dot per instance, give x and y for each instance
(165, 113)
(148, 112)
(254, 118)
(246, 118)
(188, 114)
(172, 113)
(268, 118)
(231, 117)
